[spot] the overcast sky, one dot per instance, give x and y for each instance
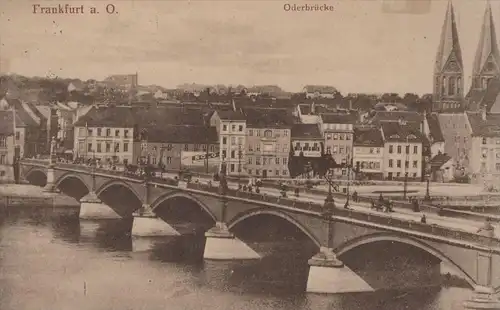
(357, 48)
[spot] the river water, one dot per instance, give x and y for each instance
(49, 259)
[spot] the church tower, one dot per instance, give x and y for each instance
(448, 70)
(487, 61)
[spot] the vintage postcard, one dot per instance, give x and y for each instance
(249, 154)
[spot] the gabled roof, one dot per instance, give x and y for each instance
(6, 122)
(338, 118)
(368, 137)
(395, 116)
(449, 43)
(484, 128)
(322, 89)
(435, 128)
(268, 118)
(119, 117)
(438, 161)
(491, 93)
(395, 132)
(230, 115)
(475, 95)
(487, 48)
(182, 134)
(306, 131)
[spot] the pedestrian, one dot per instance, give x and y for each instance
(423, 219)
(355, 196)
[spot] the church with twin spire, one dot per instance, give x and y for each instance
(448, 82)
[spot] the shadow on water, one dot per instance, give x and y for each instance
(187, 249)
(106, 235)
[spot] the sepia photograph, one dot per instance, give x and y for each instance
(249, 154)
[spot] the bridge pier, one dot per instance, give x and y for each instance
(221, 244)
(483, 298)
(50, 185)
(327, 274)
(91, 207)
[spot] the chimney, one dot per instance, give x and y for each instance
(350, 104)
(313, 108)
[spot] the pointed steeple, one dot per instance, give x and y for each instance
(448, 70)
(449, 44)
(487, 61)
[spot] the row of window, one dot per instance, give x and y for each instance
(107, 147)
(451, 85)
(277, 147)
(233, 140)
(372, 150)
(491, 140)
(398, 163)
(398, 175)
(170, 147)
(268, 133)
(338, 136)
(407, 149)
(267, 161)
(368, 164)
(238, 128)
(267, 172)
(233, 154)
(337, 126)
(103, 132)
(338, 150)
(3, 141)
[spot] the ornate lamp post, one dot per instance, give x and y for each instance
(427, 192)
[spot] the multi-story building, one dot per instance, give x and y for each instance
(268, 142)
(173, 147)
(7, 146)
(307, 147)
(457, 136)
(106, 134)
(368, 153)
(484, 164)
(402, 151)
(232, 131)
(320, 91)
(338, 131)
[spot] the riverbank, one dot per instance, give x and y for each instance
(22, 195)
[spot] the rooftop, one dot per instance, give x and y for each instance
(339, 118)
(306, 131)
(6, 122)
(368, 137)
(395, 132)
(484, 128)
(182, 134)
(268, 118)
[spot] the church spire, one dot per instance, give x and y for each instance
(487, 61)
(448, 70)
(449, 44)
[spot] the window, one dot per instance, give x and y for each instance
(328, 149)
(186, 147)
(250, 171)
(398, 174)
(233, 128)
(117, 132)
(399, 163)
(125, 147)
(108, 147)
(341, 137)
(3, 141)
(257, 147)
(250, 132)
(257, 172)
(233, 154)
(399, 149)
(18, 135)
(451, 86)
(328, 136)
(2, 160)
(415, 164)
(99, 147)
(240, 128)
(277, 172)
(240, 140)
(249, 160)
(204, 147)
(125, 133)
(99, 131)
(90, 131)
(497, 166)
(415, 149)
(391, 149)
(257, 161)
(484, 140)
(285, 161)
(414, 175)
(169, 160)
(371, 151)
(335, 137)
(277, 161)
(89, 147)
(108, 132)
(212, 148)
(341, 150)
(264, 161)
(407, 149)
(224, 153)
(348, 137)
(285, 133)
(268, 134)
(233, 140)
(224, 127)
(153, 160)
(285, 172)
(250, 147)
(257, 131)
(407, 164)
(196, 147)
(117, 147)
(232, 165)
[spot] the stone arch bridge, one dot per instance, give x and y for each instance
(475, 256)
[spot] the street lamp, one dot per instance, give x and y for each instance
(407, 166)
(348, 180)
(239, 164)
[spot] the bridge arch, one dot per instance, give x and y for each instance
(36, 176)
(70, 175)
(376, 237)
(33, 170)
(181, 194)
(264, 211)
(111, 183)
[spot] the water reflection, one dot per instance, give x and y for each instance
(49, 259)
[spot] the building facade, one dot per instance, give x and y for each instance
(368, 153)
(7, 146)
(402, 152)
